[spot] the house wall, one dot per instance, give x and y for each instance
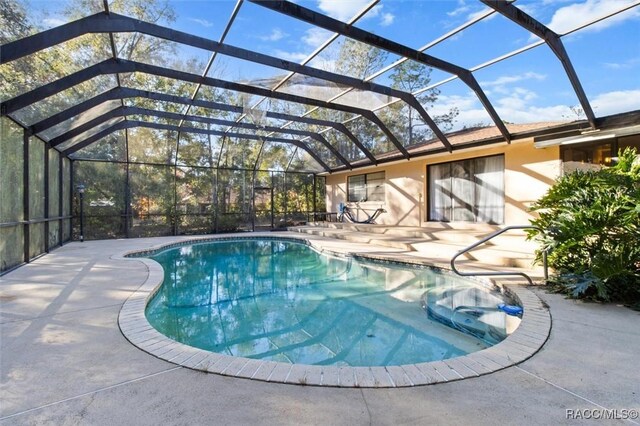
(528, 174)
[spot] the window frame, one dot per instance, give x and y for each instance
(368, 192)
(429, 201)
(615, 144)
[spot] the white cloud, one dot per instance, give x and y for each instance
(471, 111)
(517, 99)
(574, 15)
(622, 65)
(275, 35)
(462, 8)
(517, 107)
(342, 10)
(54, 22)
(202, 22)
(533, 114)
(387, 19)
(290, 56)
(500, 84)
(314, 37)
(615, 66)
(468, 12)
(473, 15)
(615, 102)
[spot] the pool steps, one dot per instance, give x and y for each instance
(511, 250)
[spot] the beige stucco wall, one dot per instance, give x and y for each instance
(528, 174)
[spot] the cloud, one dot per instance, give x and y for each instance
(534, 114)
(468, 12)
(625, 65)
(202, 22)
(473, 15)
(290, 56)
(615, 66)
(517, 99)
(616, 102)
(387, 19)
(517, 107)
(470, 113)
(574, 15)
(342, 10)
(499, 84)
(462, 8)
(275, 35)
(314, 37)
(54, 22)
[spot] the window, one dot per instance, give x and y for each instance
(369, 187)
(588, 154)
(468, 190)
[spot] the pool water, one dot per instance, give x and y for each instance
(283, 301)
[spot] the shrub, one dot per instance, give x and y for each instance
(590, 224)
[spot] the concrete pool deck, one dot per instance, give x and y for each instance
(64, 360)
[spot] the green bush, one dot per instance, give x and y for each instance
(590, 225)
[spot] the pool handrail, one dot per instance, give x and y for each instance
(499, 273)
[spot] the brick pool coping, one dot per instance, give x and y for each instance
(519, 346)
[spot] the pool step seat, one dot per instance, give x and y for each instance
(436, 242)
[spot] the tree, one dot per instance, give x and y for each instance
(359, 60)
(14, 23)
(166, 189)
(411, 76)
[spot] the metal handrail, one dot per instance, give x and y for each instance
(489, 237)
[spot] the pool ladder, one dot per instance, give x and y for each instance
(504, 273)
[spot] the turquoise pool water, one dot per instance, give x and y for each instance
(283, 301)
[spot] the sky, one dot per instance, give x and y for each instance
(530, 87)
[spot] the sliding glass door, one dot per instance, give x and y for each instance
(467, 190)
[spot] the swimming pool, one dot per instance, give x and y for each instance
(281, 300)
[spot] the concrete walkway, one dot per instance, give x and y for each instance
(63, 360)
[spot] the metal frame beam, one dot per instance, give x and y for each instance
(209, 64)
(111, 22)
(337, 126)
(76, 131)
(322, 21)
(131, 124)
(126, 111)
(111, 66)
(125, 92)
(552, 40)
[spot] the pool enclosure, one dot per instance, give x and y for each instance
(161, 118)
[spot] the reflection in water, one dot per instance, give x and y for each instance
(282, 301)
